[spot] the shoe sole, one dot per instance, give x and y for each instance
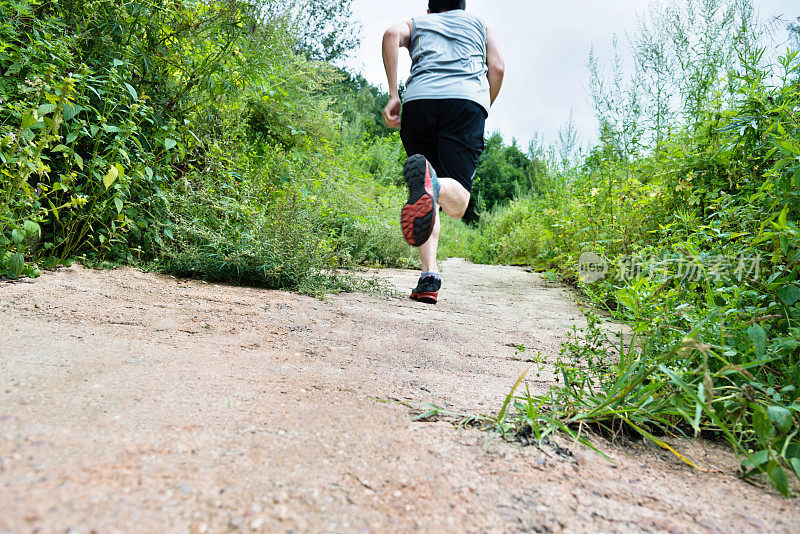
(418, 213)
(427, 297)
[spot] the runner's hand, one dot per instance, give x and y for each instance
(391, 113)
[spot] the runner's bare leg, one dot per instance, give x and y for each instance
(453, 198)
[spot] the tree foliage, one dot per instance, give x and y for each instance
(681, 54)
(323, 30)
(503, 172)
(174, 134)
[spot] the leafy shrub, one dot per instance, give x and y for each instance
(105, 82)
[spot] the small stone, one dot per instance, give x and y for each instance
(282, 512)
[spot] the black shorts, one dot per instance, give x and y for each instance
(449, 133)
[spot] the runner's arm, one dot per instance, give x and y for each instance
(495, 63)
(393, 39)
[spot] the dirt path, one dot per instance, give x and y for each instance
(136, 402)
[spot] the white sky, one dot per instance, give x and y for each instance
(546, 45)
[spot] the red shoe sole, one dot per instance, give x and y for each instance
(418, 214)
(414, 220)
(427, 297)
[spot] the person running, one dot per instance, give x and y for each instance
(457, 70)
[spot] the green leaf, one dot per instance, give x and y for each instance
(17, 235)
(425, 416)
(44, 109)
(790, 147)
(96, 92)
(782, 217)
(60, 148)
(117, 63)
(132, 91)
(71, 110)
(789, 295)
(29, 119)
(54, 210)
(14, 69)
(763, 426)
(754, 461)
(31, 228)
(118, 204)
(795, 465)
(78, 161)
(71, 137)
(110, 177)
(501, 415)
(777, 476)
(169, 144)
(759, 338)
(16, 264)
(781, 418)
(110, 128)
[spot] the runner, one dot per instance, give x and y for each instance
(456, 73)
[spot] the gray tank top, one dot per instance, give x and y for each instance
(448, 58)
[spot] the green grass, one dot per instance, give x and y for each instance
(457, 239)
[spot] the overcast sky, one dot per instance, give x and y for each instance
(546, 45)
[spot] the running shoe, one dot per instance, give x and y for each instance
(427, 290)
(419, 213)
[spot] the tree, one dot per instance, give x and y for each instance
(617, 106)
(504, 171)
(794, 33)
(567, 140)
(322, 29)
(706, 35)
(652, 50)
(681, 55)
(360, 104)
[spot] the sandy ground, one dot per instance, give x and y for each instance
(132, 402)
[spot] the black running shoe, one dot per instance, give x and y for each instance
(419, 213)
(427, 290)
